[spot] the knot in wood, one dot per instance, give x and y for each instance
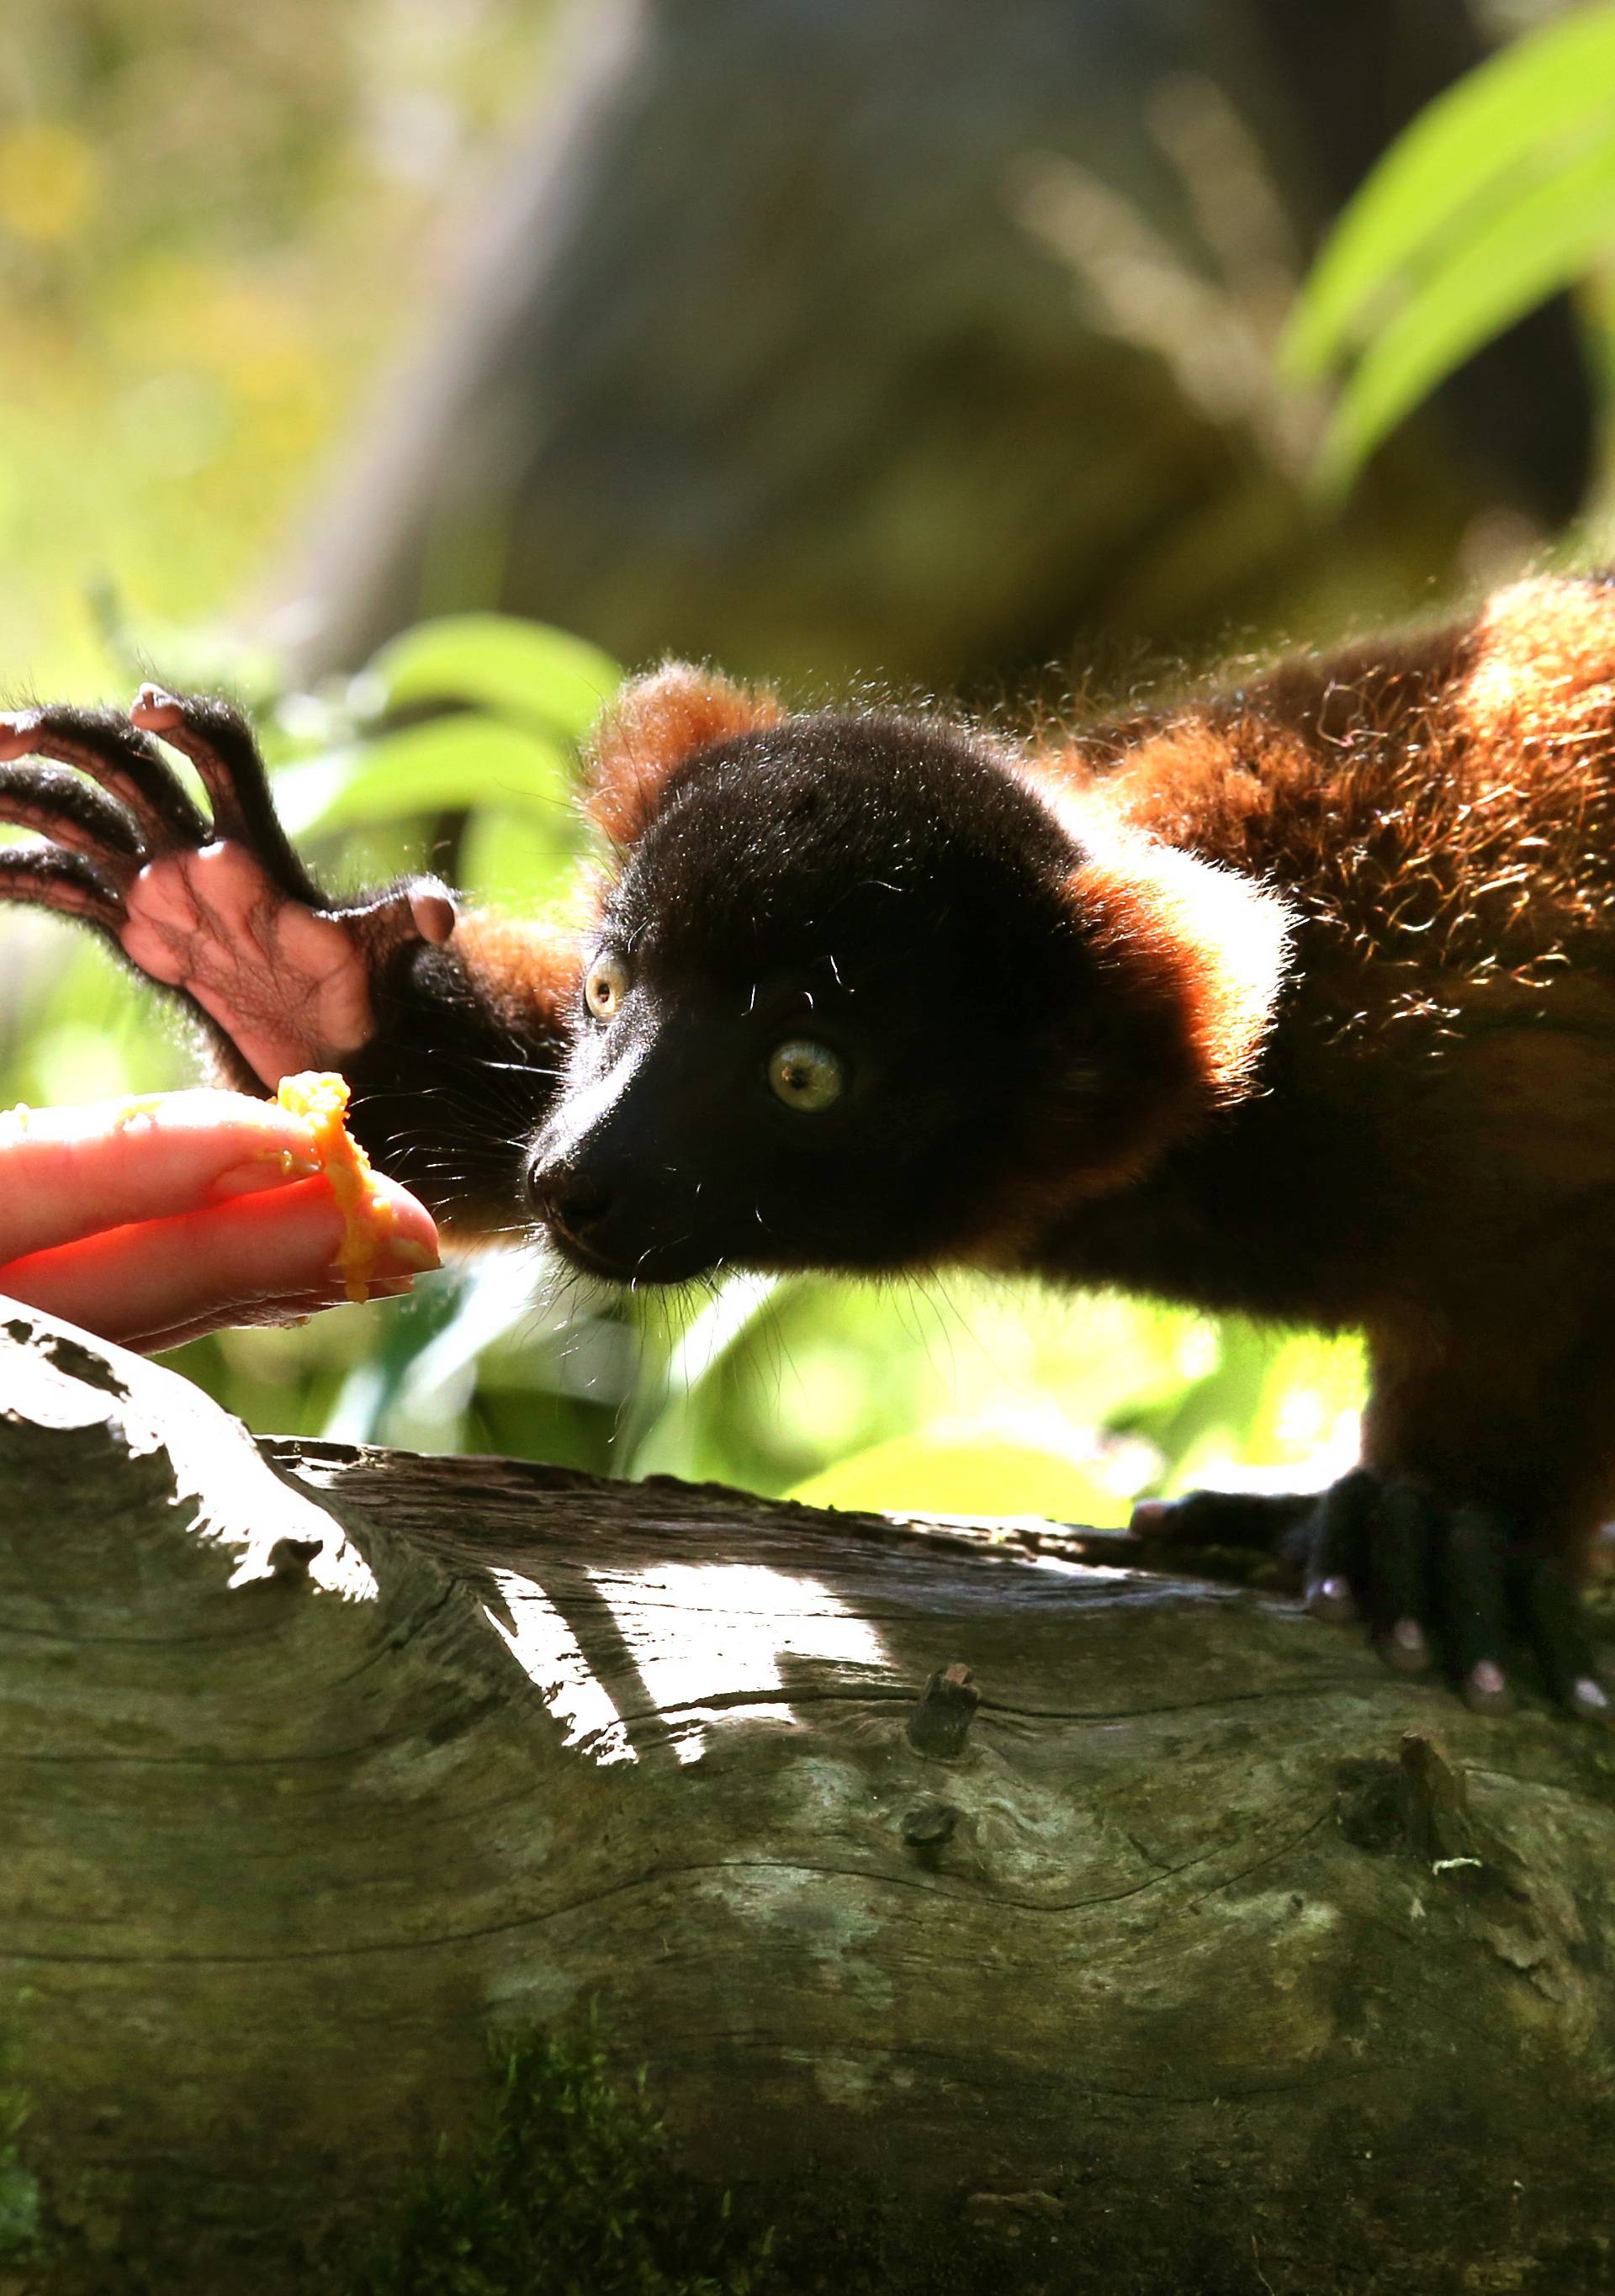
(1417, 1804)
(940, 1722)
(290, 1558)
(929, 1824)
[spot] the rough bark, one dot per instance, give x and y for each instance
(1163, 1922)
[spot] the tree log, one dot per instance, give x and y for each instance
(975, 1869)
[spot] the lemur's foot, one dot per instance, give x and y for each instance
(1436, 1580)
(222, 910)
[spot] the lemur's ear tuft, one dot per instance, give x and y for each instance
(656, 724)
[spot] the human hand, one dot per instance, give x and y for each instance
(153, 1221)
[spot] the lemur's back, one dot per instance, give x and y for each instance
(1442, 812)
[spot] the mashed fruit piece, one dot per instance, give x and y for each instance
(321, 1100)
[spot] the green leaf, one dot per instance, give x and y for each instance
(520, 862)
(1557, 85)
(1544, 239)
(430, 1349)
(449, 761)
(542, 677)
(1226, 1397)
(727, 1319)
(1313, 1391)
(934, 1475)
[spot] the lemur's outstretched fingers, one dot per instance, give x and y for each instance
(219, 743)
(433, 1027)
(49, 878)
(238, 924)
(220, 910)
(105, 746)
(72, 814)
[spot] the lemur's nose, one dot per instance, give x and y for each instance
(567, 1199)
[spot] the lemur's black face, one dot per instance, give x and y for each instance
(832, 964)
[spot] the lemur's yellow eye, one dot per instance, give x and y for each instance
(606, 986)
(806, 1076)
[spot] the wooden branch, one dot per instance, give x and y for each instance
(1149, 1911)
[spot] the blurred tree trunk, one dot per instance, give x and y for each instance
(925, 340)
(1146, 1922)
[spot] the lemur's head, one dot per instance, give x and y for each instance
(863, 993)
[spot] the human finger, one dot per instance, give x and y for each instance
(69, 1171)
(263, 1315)
(209, 1265)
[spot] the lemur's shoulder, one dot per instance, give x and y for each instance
(1444, 782)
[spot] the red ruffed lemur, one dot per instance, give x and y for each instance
(1297, 999)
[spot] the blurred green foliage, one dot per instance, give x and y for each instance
(955, 1397)
(1501, 194)
(210, 220)
(207, 227)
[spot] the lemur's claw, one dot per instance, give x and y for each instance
(1435, 1580)
(155, 708)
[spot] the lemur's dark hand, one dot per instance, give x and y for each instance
(221, 910)
(1437, 1581)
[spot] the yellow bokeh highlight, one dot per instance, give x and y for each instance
(50, 182)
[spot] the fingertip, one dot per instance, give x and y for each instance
(416, 1258)
(1406, 1649)
(155, 709)
(411, 1231)
(1332, 1600)
(17, 731)
(434, 916)
(1151, 1519)
(1486, 1689)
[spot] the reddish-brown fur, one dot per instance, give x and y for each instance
(1297, 999)
(1444, 811)
(522, 966)
(1439, 817)
(656, 724)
